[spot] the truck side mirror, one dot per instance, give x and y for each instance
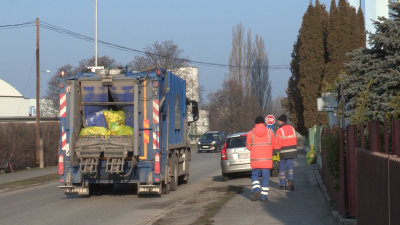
(195, 111)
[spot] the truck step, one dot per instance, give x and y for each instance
(115, 165)
(89, 166)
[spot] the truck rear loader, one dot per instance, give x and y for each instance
(155, 156)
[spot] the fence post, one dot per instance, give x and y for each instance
(396, 137)
(362, 136)
(351, 144)
(373, 132)
(342, 203)
(385, 127)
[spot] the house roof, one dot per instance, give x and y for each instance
(7, 90)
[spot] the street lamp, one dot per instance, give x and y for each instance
(39, 144)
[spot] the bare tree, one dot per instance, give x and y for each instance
(166, 55)
(260, 83)
(275, 107)
(53, 89)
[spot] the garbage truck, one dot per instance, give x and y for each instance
(153, 150)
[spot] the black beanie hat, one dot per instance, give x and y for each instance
(259, 119)
(283, 118)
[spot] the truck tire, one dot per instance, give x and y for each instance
(174, 167)
(184, 179)
(166, 188)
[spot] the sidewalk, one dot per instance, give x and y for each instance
(305, 205)
(26, 174)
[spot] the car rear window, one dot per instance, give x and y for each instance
(236, 142)
(209, 136)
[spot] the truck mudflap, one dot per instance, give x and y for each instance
(149, 189)
(72, 190)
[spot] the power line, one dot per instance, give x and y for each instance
(123, 48)
(19, 25)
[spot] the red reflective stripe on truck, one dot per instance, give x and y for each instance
(157, 163)
(63, 105)
(60, 164)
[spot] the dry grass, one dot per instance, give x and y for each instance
(30, 181)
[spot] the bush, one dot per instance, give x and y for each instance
(19, 139)
(331, 145)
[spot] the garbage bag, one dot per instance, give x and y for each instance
(114, 118)
(276, 157)
(94, 131)
(122, 130)
(311, 156)
(95, 118)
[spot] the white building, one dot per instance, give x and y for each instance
(13, 103)
(372, 10)
(191, 75)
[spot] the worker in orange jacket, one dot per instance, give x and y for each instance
(286, 140)
(260, 141)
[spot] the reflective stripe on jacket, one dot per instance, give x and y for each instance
(286, 142)
(260, 142)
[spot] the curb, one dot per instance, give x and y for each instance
(315, 178)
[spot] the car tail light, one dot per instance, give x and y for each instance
(223, 153)
(243, 135)
(157, 163)
(60, 164)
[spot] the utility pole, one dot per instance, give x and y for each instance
(39, 151)
(95, 35)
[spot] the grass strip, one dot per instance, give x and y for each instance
(30, 181)
(213, 207)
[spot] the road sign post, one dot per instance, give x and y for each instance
(270, 120)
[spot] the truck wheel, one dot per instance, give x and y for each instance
(165, 188)
(184, 179)
(174, 178)
(225, 177)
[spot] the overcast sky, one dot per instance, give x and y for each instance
(203, 29)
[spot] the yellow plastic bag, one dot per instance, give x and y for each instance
(276, 157)
(94, 131)
(311, 156)
(121, 130)
(114, 118)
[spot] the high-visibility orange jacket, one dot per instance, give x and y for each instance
(286, 142)
(260, 141)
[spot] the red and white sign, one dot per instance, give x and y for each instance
(270, 120)
(68, 89)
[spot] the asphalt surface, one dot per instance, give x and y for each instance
(46, 204)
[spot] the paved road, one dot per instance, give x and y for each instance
(46, 204)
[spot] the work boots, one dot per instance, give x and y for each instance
(291, 186)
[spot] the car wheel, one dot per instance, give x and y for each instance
(225, 177)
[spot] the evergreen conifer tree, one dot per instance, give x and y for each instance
(379, 64)
(361, 23)
(293, 103)
(312, 60)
